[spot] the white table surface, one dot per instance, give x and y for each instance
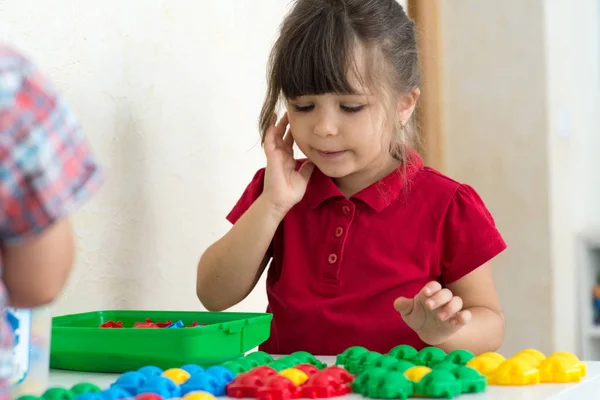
(588, 388)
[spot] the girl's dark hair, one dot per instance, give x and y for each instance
(316, 50)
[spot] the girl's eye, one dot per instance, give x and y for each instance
(304, 108)
(351, 109)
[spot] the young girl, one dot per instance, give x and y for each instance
(367, 246)
(46, 170)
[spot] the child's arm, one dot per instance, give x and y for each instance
(46, 171)
(229, 269)
(35, 273)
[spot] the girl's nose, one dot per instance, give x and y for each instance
(325, 126)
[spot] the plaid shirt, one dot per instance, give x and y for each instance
(46, 168)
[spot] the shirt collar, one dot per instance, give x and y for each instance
(378, 195)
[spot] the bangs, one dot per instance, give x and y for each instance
(316, 57)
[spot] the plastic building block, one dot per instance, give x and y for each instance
(147, 324)
(538, 355)
(112, 324)
(277, 387)
(403, 352)
(261, 357)
(461, 357)
(131, 382)
(150, 371)
(393, 385)
(223, 375)
(329, 382)
(57, 394)
(471, 380)
(84, 387)
(194, 369)
(235, 367)
(178, 324)
(385, 362)
(356, 366)
(308, 369)
(160, 385)
(560, 369)
(304, 357)
(515, 372)
(369, 382)
(574, 359)
(438, 383)
(295, 375)
(350, 354)
(417, 373)
(177, 375)
(198, 396)
(204, 383)
(149, 396)
(429, 356)
(486, 364)
(446, 365)
(115, 393)
(247, 384)
(495, 356)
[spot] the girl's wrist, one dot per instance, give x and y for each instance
(271, 209)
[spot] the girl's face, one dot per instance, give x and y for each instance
(347, 134)
(341, 134)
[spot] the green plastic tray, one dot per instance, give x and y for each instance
(79, 344)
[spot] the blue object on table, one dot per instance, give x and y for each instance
(162, 386)
(204, 383)
(150, 371)
(223, 374)
(130, 381)
(193, 369)
(115, 393)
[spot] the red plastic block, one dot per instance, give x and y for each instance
(278, 387)
(147, 324)
(112, 324)
(148, 396)
(308, 369)
(248, 383)
(330, 382)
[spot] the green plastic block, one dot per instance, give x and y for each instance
(394, 385)
(235, 367)
(85, 387)
(305, 357)
(446, 365)
(371, 376)
(260, 357)
(429, 356)
(461, 357)
(439, 383)
(350, 354)
(359, 365)
(58, 394)
(403, 352)
(470, 379)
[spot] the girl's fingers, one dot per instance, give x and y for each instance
(453, 307)
(439, 299)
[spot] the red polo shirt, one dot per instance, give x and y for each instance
(339, 263)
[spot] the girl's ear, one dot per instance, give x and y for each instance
(407, 104)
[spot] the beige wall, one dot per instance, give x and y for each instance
(520, 111)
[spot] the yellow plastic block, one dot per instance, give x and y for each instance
(515, 372)
(177, 375)
(528, 358)
(417, 373)
(570, 356)
(486, 363)
(535, 353)
(198, 396)
(559, 369)
(295, 375)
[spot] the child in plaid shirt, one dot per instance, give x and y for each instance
(46, 170)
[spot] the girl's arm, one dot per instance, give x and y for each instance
(230, 268)
(485, 331)
(35, 272)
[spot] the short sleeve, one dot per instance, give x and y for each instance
(469, 235)
(249, 196)
(46, 166)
